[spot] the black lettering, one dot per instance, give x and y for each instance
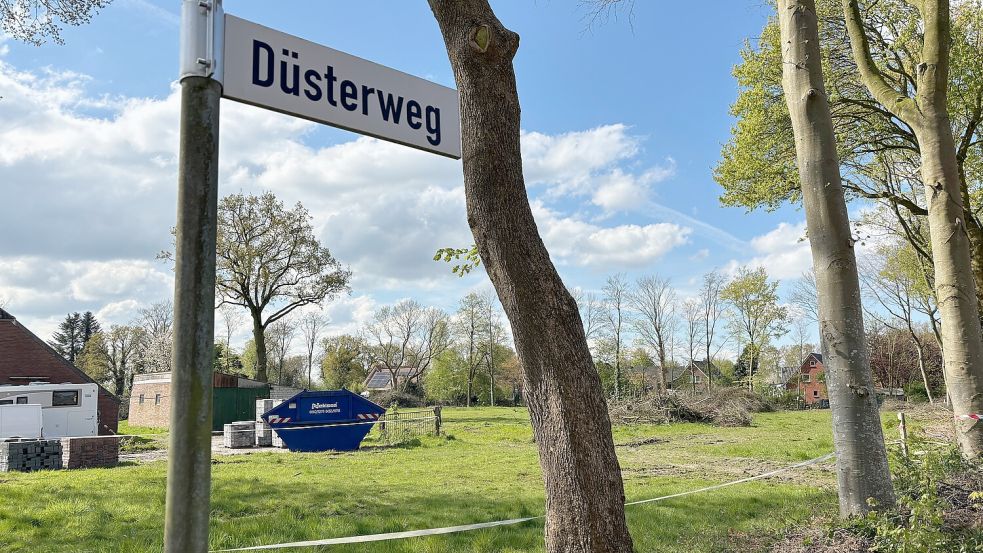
(258, 47)
(349, 92)
(366, 90)
(293, 88)
(433, 125)
(330, 80)
(313, 90)
(413, 113)
(387, 108)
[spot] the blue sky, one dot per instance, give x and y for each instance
(623, 123)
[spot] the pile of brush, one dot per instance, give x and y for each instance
(722, 407)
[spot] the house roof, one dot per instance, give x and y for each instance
(678, 371)
(25, 357)
(380, 377)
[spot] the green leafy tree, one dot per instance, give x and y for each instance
(448, 380)
(270, 263)
(343, 363)
(111, 357)
(757, 315)
(467, 328)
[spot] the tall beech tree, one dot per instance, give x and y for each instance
(270, 263)
(921, 104)
(584, 491)
(879, 153)
(861, 457)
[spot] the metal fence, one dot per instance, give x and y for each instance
(399, 425)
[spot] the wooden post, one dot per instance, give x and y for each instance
(903, 427)
(437, 421)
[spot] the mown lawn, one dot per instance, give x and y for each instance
(486, 469)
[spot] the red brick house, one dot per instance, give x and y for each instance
(25, 358)
(810, 381)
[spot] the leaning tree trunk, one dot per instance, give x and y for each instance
(584, 490)
(861, 458)
(927, 114)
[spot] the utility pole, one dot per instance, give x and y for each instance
(189, 453)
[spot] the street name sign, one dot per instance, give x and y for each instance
(281, 72)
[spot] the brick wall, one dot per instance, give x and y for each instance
(151, 412)
(82, 453)
(814, 391)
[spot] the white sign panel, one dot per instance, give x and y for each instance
(284, 73)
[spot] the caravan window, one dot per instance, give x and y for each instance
(6, 402)
(64, 398)
(22, 400)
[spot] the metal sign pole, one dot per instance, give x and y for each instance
(189, 453)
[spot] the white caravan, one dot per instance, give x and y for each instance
(20, 421)
(67, 410)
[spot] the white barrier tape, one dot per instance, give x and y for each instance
(971, 416)
(389, 536)
(741, 481)
(509, 522)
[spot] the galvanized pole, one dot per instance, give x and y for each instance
(189, 453)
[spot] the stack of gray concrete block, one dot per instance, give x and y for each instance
(30, 455)
(277, 441)
(264, 434)
(237, 435)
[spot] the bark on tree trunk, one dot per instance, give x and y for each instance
(975, 234)
(861, 458)
(584, 490)
(955, 287)
(259, 340)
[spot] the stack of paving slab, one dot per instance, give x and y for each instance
(264, 434)
(237, 435)
(30, 455)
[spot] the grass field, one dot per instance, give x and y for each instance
(485, 469)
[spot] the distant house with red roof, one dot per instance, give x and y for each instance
(26, 358)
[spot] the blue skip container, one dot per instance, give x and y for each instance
(321, 420)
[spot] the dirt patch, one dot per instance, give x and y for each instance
(736, 468)
(218, 448)
(644, 441)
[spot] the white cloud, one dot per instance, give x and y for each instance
(567, 162)
(783, 252)
(90, 187)
(571, 240)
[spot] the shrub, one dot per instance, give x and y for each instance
(927, 500)
(411, 397)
